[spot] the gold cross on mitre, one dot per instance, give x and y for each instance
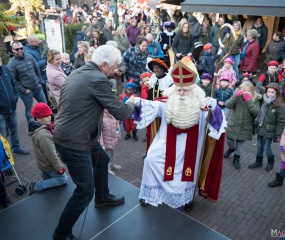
(184, 72)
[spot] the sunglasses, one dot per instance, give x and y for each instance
(18, 49)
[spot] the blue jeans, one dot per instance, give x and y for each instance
(236, 58)
(9, 125)
(264, 143)
(51, 179)
(87, 169)
(27, 99)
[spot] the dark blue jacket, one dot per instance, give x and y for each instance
(36, 54)
(223, 94)
(8, 92)
(208, 62)
(79, 37)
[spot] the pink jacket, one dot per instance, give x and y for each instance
(56, 78)
(227, 72)
(111, 132)
(282, 144)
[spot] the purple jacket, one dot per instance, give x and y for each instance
(132, 33)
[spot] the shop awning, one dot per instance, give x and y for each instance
(249, 7)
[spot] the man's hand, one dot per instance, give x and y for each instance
(27, 91)
(178, 54)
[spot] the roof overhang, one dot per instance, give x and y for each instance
(249, 7)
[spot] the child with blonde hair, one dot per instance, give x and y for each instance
(245, 107)
(110, 137)
(227, 70)
(66, 65)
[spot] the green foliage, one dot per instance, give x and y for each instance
(8, 20)
(70, 32)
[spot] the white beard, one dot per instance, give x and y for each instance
(183, 113)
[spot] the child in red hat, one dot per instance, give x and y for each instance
(145, 84)
(41, 131)
(245, 77)
(270, 76)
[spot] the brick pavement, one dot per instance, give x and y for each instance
(247, 208)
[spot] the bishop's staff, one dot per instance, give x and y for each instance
(211, 142)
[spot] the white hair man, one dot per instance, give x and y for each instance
(172, 163)
(84, 96)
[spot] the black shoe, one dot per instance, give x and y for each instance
(6, 203)
(22, 151)
(229, 152)
(135, 137)
(70, 237)
(189, 206)
(270, 164)
(236, 162)
(128, 136)
(143, 203)
(258, 163)
(277, 182)
(110, 200)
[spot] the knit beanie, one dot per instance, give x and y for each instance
(41, 110)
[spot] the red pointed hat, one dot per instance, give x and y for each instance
(184, 72)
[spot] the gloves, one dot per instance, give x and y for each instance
(220, 51)
(211, 103)
(62, 171)
(165, 46)
(246, 97)
(134, 100)
(239, 93)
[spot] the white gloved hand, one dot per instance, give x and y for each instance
(134, 100)
(165, 46)
(220, 51)
(211, 103)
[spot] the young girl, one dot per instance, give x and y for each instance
(227, 70)
(110, 138)
(280, 176)
(244, 105)
(223, 93)
(270, 123)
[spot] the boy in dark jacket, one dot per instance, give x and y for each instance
(270, 76)
(208, 59)
(205, 83)
(223, 93)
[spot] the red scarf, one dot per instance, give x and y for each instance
(189, 155)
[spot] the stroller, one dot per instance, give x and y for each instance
(196, 55)
(7, 168)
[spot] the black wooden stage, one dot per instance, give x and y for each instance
(35, 218)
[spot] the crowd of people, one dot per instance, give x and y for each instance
(111, 72)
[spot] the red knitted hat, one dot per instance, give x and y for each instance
(273, 63)
(207, 46)
(41, 110)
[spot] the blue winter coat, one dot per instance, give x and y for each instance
(36, 54)
(8, 91)
(223, 94)
(135, 61)
(208, 62)
(155, 50)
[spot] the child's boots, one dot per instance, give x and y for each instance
(277, 182)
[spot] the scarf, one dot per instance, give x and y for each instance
(266, 102)
(237, 34)
(50, 128)
(244, 50)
